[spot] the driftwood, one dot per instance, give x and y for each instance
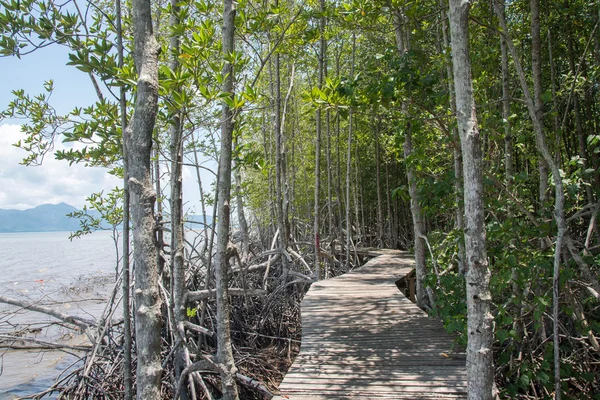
(12, 342)
(82, 323)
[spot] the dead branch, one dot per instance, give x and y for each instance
(199, 295)
(39, 344)
(82, 323)
(197, 328)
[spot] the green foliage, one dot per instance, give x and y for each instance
(100, 210)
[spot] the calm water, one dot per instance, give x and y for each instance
(75, 275)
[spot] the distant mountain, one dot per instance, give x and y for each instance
(53, 218)
(44, 218)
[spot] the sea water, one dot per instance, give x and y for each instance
(75, 277)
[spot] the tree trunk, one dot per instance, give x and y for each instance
(415, 207)
(279, 164)
(318, 145)
(559, 214)
(480, 361)
(243, 222)
(508, 142)
(139, 147)
(224, 350)
(378, 185)
(458, 173)
(581, 135)
(388, 201)
(536, 67)
(176, 204)
(349, 164)
(127, 334)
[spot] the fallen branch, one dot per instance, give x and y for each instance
(197, 328)
(245, 380)
(41, 344)
(82, 323)
(302, 260)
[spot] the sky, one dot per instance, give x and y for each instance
(55, 181)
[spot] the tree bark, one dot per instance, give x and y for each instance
(508, 142)
(536, 69)
(224, 349)
(318, 145)
(349, 163)
(480, 367)
(415, 207)
(148, 321)
(458, 174)
(181, 357)
(378, 184)
(127, 334)
(559, 214)
(280, 182)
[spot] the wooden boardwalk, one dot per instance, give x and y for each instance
(362, 339)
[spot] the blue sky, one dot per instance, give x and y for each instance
(55, 181)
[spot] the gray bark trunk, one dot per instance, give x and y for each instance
(127, 334)
(139, 147)
(480, 368)
(279, 159)
(318, 147)
(349, 164)
(415, 208)
(559, 214)
(536, 69)
(508, 142)
(242, 216)
(581, 135)
(176, 205)
(224, 350)
(378, 186)
(458, 174)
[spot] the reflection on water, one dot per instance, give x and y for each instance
(48, 268)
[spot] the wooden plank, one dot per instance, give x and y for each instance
(363, 339)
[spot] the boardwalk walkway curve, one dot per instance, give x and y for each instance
(363, 339)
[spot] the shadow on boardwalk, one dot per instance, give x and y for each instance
(362, 339)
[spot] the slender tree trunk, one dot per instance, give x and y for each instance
(243, 222)
(415, 207)
(224, 349)
(284, 175)
(559, 214)
(176, 204)
(581, 135)
(127, 334)
(330, 211)
(554, 94)
(349, 163)
(378, 186)
(279, 165)
(480, 361)
(536, 67)
(458, 167)
(388, 201)
(508, 142)
(418, 224)
(318, 145)
(148, 302)
(160, 240)
(202, 201)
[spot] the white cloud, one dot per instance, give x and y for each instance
(55, 181)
